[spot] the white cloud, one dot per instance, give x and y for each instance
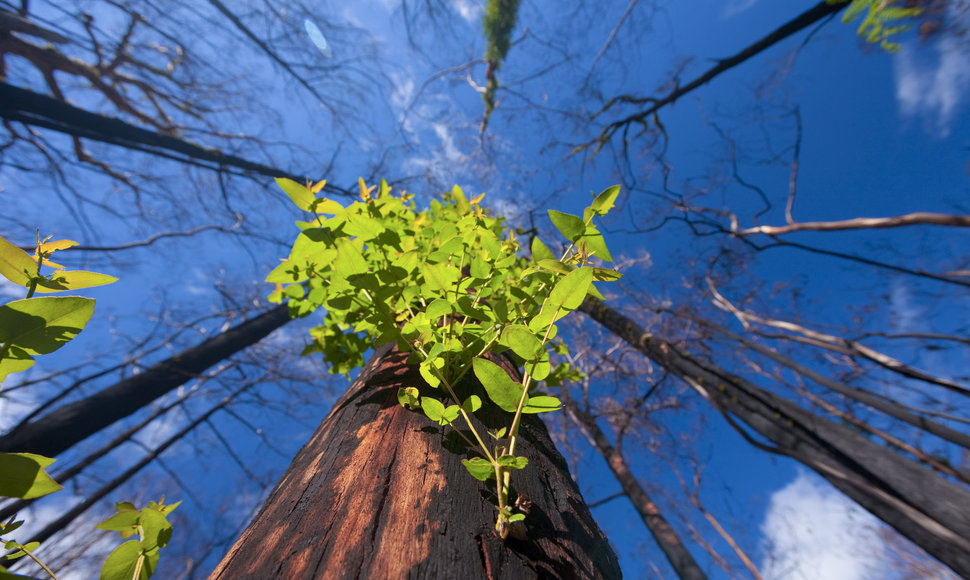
(471, 12)
(813, 532)
(932, 84)
(736, 7)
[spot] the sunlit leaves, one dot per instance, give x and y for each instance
(43, 325)
(22, 476)
(16, 265)
(570, 226)
(501, 389)
(605, 200)
(72, 280)
(448, 286)
(137, 559)
(298, 194)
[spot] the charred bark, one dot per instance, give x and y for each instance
(64, 427)
(380, 492)
(927, 508)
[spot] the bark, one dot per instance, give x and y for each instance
(928, 509)
(380, 492)
(30, 108)
(667, 538)
(60, 429)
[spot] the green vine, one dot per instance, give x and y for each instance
(448, 286)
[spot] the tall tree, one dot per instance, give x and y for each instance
(387, 481)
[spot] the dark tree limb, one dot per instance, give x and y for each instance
(380, 492)
(30, 108)
(70, 515)
(666, 537)
(930, 510)
(815, 14)
(60, 429)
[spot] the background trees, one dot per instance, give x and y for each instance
(856, 322)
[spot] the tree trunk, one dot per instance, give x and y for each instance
(665, 535)
(928, 509)
(30, 108)
(60, 429)
(380, 492)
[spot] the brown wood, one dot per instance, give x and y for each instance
(380, 492)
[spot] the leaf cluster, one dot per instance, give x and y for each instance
(882, 20)
(41, 325)
(448, 285)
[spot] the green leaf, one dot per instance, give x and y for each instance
(22, 476)
(72, 280)
(408, 397)
(300, 195)
(461, 202)
(604, 201)
(596, 244)
(570, 226)
(16, 263)
(24, 548)
(43, 325)
(501, 389)
(440, 277)
(157, 531)
(432, 408)
(522, 341)
(437, 309)
(516, 517)
(513, 461)
(124, 521)
(606, 275)
(127, 562)
(450, 413)
(542, 404)
(425, 369)
(556, 266)
(480, 468)
(15, 361)
(471, 404)
(572, 289)
(349, 260)
(540, 251)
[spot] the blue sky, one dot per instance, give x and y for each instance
(881, 135)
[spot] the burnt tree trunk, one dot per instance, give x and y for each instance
(380, 492)
(67, 426)
(927, 508)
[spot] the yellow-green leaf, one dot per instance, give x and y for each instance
(22, 476)
(299, 194)
(73, 280)
(15, 263)
(43, 325)
(501, 389)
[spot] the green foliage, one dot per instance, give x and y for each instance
(35, 326)
(22, 476)
(882, 20)
(448, 286)
(137, 559)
